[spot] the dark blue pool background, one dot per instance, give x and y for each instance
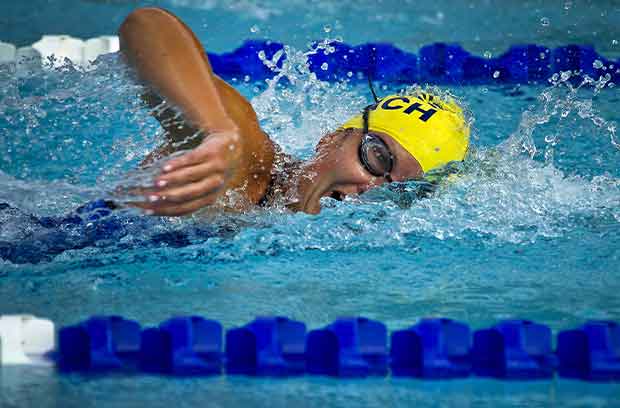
(490, 25)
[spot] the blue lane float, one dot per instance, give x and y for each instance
(573, 57)
(438, 63)
(101, 343)
(349, 347)
(433, 348)
(442, 63)
(436, 348)
(514, 349)
(590, 352)
(189, 345)
(524, 64)
(267, 346)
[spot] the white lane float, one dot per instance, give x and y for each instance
(26, 340)
(53, 50)
(7, 52)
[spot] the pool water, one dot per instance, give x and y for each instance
(530, 228)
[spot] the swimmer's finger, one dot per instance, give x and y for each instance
(188, 192)
(192, 158)
(212, 147)
(143, 206)
(131, 191)
(190, 174)
(172, 210)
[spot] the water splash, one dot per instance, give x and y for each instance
(296, 108)
(66, 126)
(72, 136)
(569, 94)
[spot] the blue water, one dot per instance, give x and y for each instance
(530, 228)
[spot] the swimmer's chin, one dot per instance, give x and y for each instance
(313, 208)
(304, 207)
(309, 207)
(313, 205)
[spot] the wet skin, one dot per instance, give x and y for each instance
(233, 153)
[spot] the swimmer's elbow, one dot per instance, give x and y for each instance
(142, 18)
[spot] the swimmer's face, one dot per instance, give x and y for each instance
(337, 171)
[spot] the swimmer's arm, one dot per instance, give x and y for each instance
(168, 57)
(179, 133)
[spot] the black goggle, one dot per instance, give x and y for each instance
(374, 153)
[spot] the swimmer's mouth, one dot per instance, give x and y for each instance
(337, 195)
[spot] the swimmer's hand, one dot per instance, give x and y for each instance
(195, 179)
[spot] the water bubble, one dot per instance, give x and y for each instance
(324, 66)
(327, 28)
(488, 54)
(255, 29)
(246, 78)
(598, 64)
(349, 74)
(484, 90)
(551, 139)
(496, 74)
(545, 21)
(261, 55)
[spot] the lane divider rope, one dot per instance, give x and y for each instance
(433, 348)
(438, 63)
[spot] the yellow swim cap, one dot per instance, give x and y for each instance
(434, 132)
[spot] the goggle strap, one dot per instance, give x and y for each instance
(373, 55)
(365, 115)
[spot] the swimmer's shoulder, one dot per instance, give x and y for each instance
(283, 171)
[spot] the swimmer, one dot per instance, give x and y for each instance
(399, 138)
